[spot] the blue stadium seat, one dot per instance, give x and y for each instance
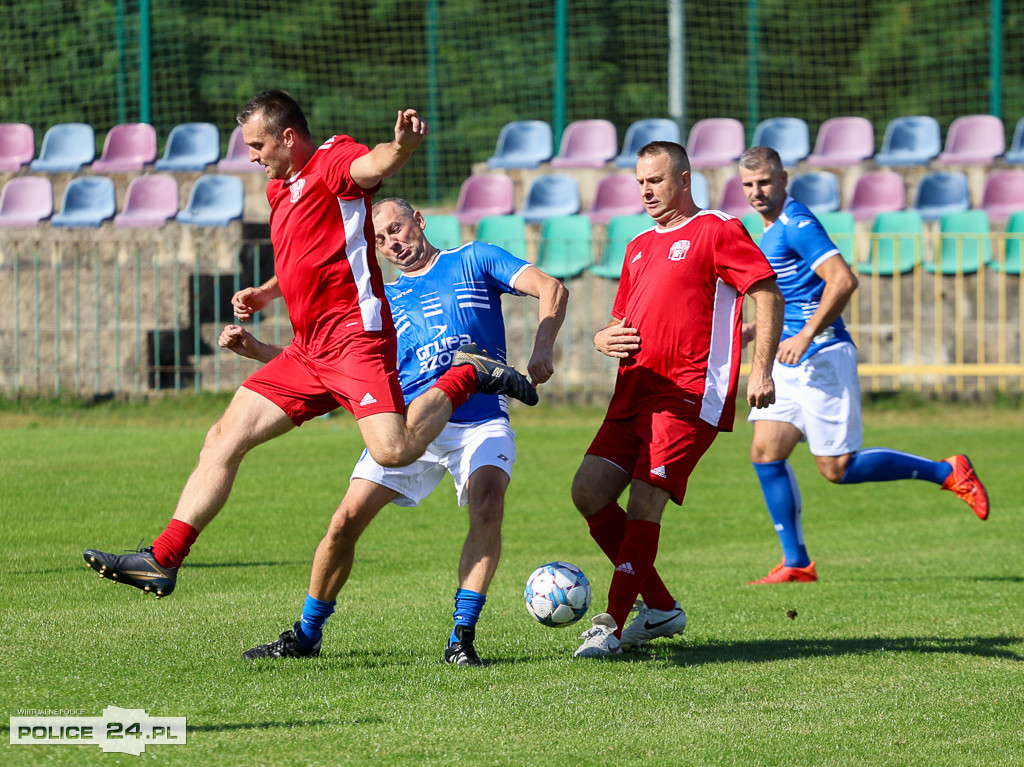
(88, 202)
(912, 140)
(819, 191)
(66, 148)
(190, 146)
(789, 136)
(941, 192)
(523, 144)
(215, 200)
(699, 189)
(554, 194)
(1015, 154)
(643, 132)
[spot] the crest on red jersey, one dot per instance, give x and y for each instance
(679, 250)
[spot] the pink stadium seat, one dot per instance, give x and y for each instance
(843, 141)
(974, 140)
(149, 202)
(128, 148)
(587, 144)
(25, 201)
(486, 194)
(237, 158)
(17, 146)
(715, 142)
(880, 191)
(734, 201)
(617, 194)
(1004, 194)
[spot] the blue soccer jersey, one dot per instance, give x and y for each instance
(456, 302)
(795, 245)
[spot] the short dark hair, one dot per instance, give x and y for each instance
(277, 111)
(676, 153)
(758, 157)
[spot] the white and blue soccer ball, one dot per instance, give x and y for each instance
(557, 594)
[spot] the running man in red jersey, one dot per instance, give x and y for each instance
(675, 329)
(344, 348)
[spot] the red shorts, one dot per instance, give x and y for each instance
(660, 448)
(360, 375)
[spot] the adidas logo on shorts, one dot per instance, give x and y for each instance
(367, 400)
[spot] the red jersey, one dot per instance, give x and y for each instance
(682, 288)
(324, 255)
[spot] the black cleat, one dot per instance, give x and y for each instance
(461, 653)
(493, 377)
(287, 646)
(137, 568)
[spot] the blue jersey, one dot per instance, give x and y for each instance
(456, 302)
(795, 245)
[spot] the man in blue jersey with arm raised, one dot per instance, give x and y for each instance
(817, 388)
(441, 301)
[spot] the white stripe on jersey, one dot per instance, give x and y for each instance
(716, 380)
(353, 214)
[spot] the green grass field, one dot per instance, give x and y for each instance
(907, 652)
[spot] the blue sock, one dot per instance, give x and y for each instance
(782, 495)
(315, 613)
(879, 464)
(468, 605)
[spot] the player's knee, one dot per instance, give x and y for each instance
(392, 456)
(833, 471)
(583, 497)
(222, 445)
(343, 531)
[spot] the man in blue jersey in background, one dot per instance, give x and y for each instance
(817, 395)
(442, 300)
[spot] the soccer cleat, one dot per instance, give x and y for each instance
(493, 377)
(965, 483)
(462, 652)
(137, 568)
(782, 574)
(599, 641)
(650, 624)
(286, 646)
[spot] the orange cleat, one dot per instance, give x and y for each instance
(965, 483)
(782, 574)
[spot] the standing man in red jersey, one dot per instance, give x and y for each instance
(675, 329)
(344, 348)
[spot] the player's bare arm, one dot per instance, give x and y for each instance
(388, 158)
(840, 283)
(248, 301)
(553, 297)
(617, 339)
(768, 314)
(245, 344)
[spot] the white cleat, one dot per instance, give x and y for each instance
(650, 624)
(599, 641)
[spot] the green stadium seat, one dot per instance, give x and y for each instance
(839, 226)
(897, 242)
(1014, 244)
(964, 243)
(620, 230)
(508, 232)
(443, 231)
(565, 250)
(754, 224)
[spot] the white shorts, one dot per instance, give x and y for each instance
(821, 398)
(461, 449)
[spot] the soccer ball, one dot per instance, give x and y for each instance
(557, 594)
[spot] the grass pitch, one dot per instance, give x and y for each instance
(908, 651)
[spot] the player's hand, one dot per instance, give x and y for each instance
(747, 333)
(410, 129)
(760, 390)
(792, 349)
(619, 340)
(245, 344)
(541, 366)
(248, 301)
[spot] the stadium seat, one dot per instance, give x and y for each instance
(127, 148)
(964, 243)
(789, 136)
(911, 140)
(617, 235)
(237, 158)
(877, 192)
(699, 189)
(508, 232)
(974, 140)
(1003, 194)
(734, 201)
(715, 142)
(839, 225)
(485, 194)
(1014, 234)
(17, 146)
(616, 194)
(88, 202)
(443, 231)
(941, 192)
(565, 246)
(522, 144)
(754, 225)
(553, 194)
(819, 191)
(843, 141)
(66, 148)
(25, 201)
(190, 146)
(587, 144)
(897, 243)
(643, 132)
(1015, 154)
(215, 200)
(150, 202)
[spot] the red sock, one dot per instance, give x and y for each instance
(458, 384)
(608, 528)
(632, 566)
(172, 545)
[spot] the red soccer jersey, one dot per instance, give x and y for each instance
(682, 288)
(324, 254)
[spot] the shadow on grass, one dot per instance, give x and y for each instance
(188, 565)
(1004, 647)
